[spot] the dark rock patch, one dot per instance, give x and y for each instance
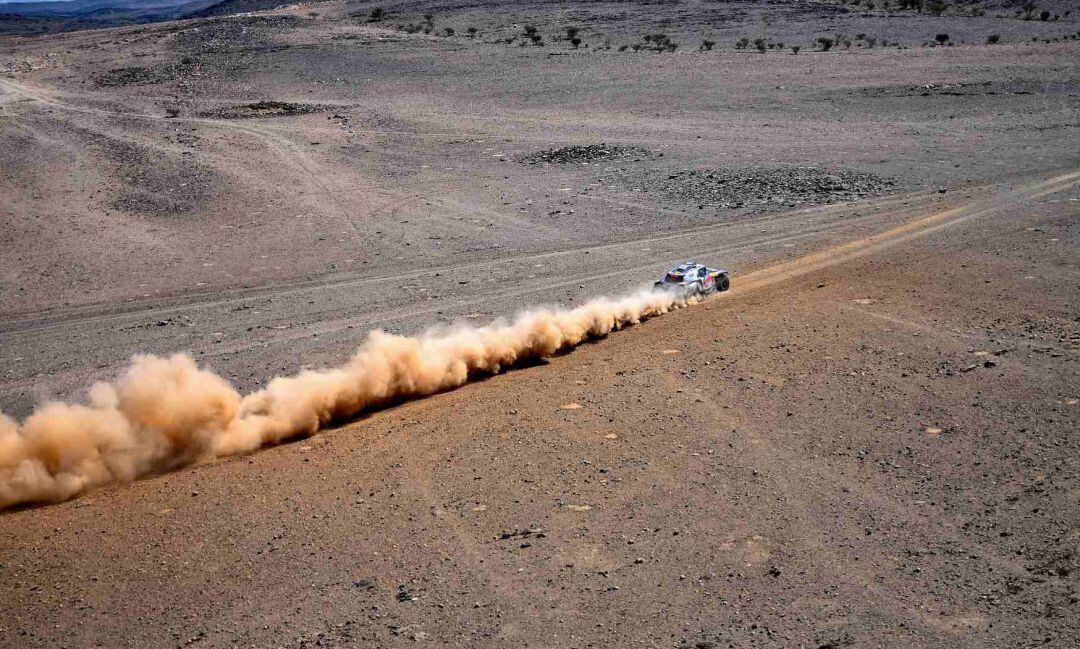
(263, 109)
(770, 186)
(587, 154)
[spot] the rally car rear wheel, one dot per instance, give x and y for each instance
(723, 284)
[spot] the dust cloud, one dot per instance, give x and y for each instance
(163, 413)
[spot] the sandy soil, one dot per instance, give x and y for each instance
(868, 442)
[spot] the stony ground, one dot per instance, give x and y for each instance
(869, 447)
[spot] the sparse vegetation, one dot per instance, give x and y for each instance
(659, 43)
(992, 39)
(795, 49)
(576, 42)
(742, 43)
(472, 31)
(376, 14)
(936, 7)
(449, 31)
(942, 38)
(825, 42)
(707, 45)
(572, 32)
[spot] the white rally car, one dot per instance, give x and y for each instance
(696, 278)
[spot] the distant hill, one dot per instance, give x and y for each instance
(226, 7)
(46, 17)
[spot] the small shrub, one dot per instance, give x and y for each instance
(707, 45)
(472, 32)
(742, 43)
(1044, 16)
(826, 43)
(871, 42)
(992, 39)
(536, 39)
(377, 14)
(530, 30)
(636, 47)
(622, 48)
(942, 38)
(576, 42)
(795, 49)
(760, 44)
(572, 32)
(449, 31)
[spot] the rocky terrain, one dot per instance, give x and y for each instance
(868, 442)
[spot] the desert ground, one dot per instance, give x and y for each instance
(870, 441)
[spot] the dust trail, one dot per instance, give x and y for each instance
(166, 412)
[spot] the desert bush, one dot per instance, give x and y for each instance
(572, 32)
(795, 49)
(742, 43)
(707, 45)
(1044, 16)
(429, 17)
(871, 42)
(936, 7)
(449, 31)
(472, 32)
(942, 38)
(536, 39)
(779, 46)
(376, 14)
(530, 30)
(623, 48)
(576, 42)
(992, 39)
(826, 43)
(636, 47)
(760, 44)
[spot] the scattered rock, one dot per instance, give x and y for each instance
(262, 109)
(586, 154)
(780, 186)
